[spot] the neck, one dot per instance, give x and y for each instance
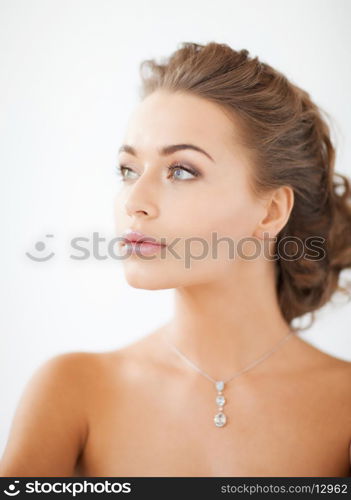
(222, 327)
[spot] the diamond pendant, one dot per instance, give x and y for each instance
(220, 419)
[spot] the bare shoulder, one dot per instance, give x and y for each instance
(331, 378)
(340, 367)
(339, 394)
(340, 374)
(49, 427)
(329, 367)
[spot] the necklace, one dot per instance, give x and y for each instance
(220, 418)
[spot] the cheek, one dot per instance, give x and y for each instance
(205, 218)
(227, 213)
(227, 219)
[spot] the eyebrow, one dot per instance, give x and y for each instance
(166, 150)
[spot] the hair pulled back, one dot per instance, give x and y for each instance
(288, 139)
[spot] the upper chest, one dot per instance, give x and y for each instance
(144, 424)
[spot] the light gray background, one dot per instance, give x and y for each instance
(69, 79)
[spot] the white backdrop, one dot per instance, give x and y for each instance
(69, 79)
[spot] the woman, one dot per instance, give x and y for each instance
(223, 160)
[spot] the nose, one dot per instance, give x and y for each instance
(141, 198)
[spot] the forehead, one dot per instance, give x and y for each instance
(169, 117)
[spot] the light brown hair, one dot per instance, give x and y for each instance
(288, 140)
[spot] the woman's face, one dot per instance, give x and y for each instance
(188, 212)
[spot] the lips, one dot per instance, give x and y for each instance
(131, 236)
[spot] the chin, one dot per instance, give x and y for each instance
(168, 275)
(148, 280)
(149, 285)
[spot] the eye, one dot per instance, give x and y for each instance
(181, 168)
(121, 170)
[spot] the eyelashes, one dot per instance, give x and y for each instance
(120, 170)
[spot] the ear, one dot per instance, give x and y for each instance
(277, 211)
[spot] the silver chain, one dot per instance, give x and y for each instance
(251, 365)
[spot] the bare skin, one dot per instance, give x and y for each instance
(152, 415)
(139, 410)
